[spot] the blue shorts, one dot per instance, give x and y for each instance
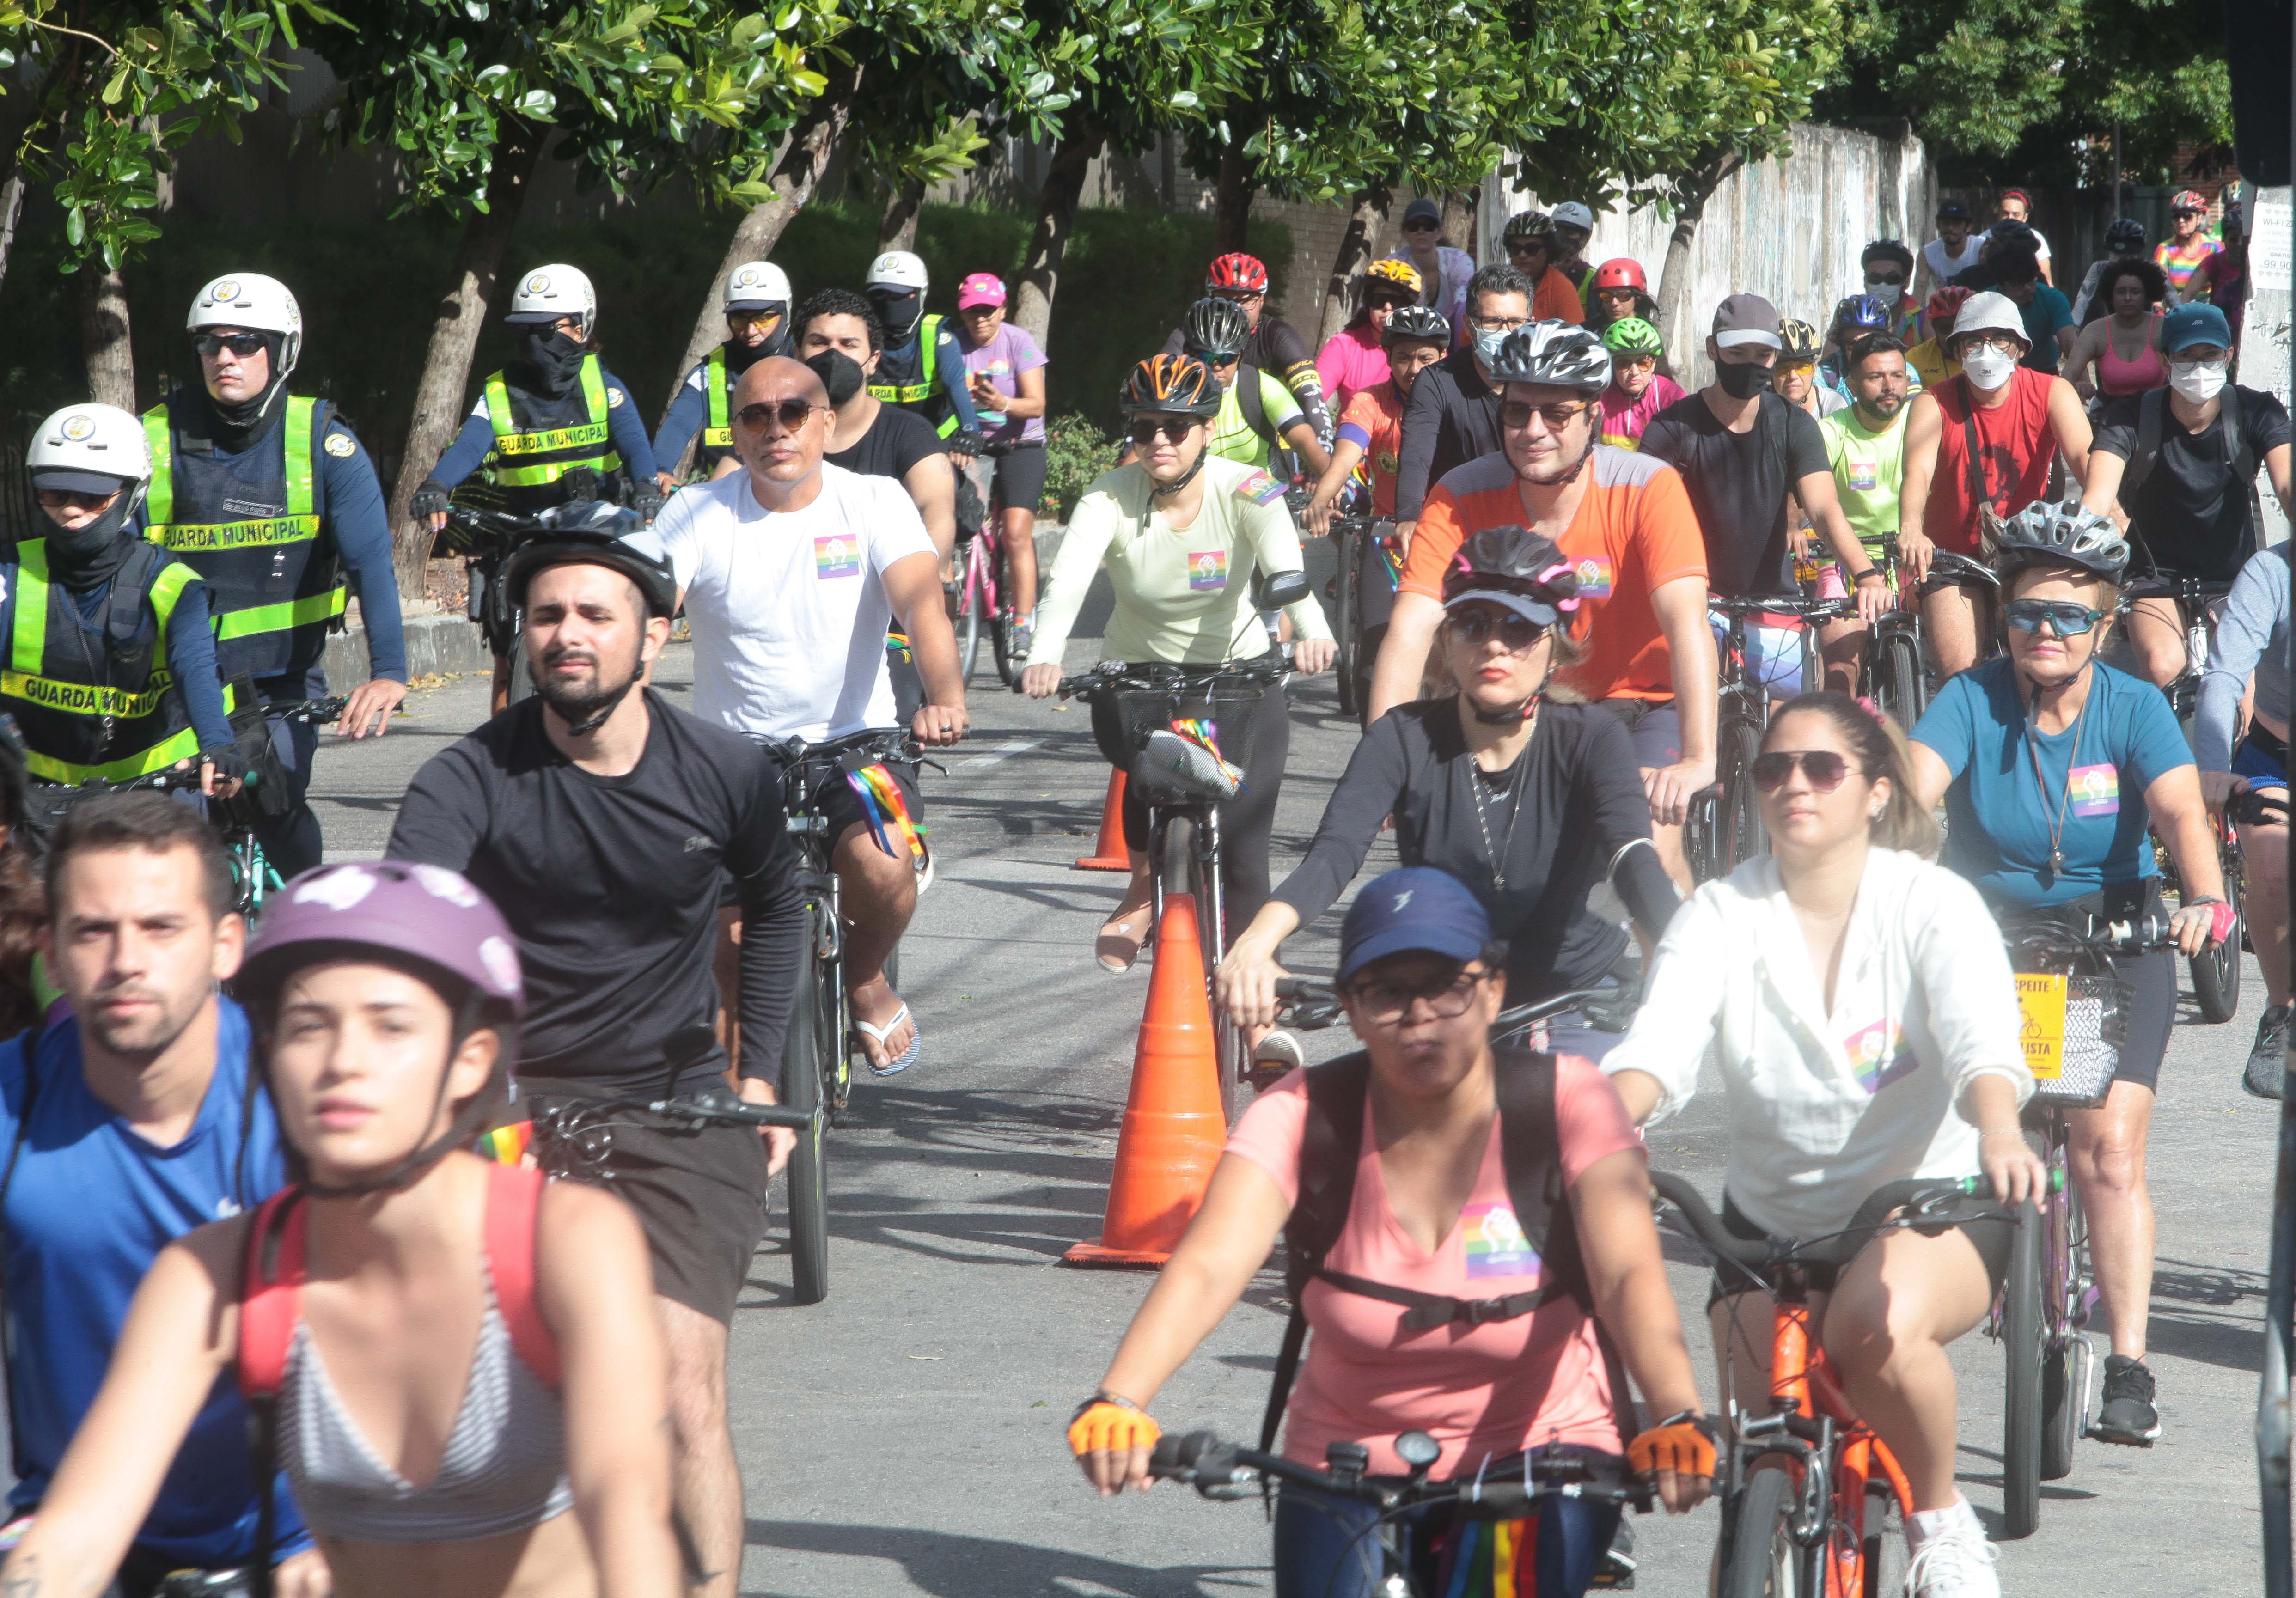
(2263, 768)
(1653, 725)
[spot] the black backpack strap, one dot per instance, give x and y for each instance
(1254, 406)
(1330, 1145)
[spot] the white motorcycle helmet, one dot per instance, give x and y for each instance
(91, 449)
(256, 303)
(548, 292)
(898, 271)
(755, 285)
(897, 286)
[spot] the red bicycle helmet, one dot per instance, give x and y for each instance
(1246, 273)
(1624, 272)
(1945, 303)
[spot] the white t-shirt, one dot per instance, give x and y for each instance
(1943, 267)
(788, 609)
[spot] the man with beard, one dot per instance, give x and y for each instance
(604, 822)
(757, 325)
(130, 1122)
(1865, 444)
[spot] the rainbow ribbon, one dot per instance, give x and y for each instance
(1205, 736)
(1391, 552)
(508, 1146)
(882, 797)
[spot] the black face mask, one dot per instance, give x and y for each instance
(554, 359)
(840, 374)
(900, 314)
(1741, 379)
(91, 553)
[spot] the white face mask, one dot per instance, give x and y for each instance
(2199, 381)
(1988, 367)
(1886, 292)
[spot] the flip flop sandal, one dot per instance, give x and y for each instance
(908, 1056)
(1116, 949)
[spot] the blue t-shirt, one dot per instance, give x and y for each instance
(2048, 312)
(90, 1206)
(1997, 822)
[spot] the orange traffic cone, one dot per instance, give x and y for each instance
(1175, 1125)
(1108, 854)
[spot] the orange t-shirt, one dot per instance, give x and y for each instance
(1553, 300)
(1634, 530)
(1374, 421)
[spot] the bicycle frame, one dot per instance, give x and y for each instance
(984, 560)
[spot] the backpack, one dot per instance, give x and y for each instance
(1330, 1148)
(1254, 407)
(2152, 430)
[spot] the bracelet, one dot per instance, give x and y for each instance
(1875, 572)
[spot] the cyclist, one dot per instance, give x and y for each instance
(604, 820)
(1443, 270)
(1618, 291)
(1257, 415)
(1795, 376)
(1511, 785)
(2182, 460)
(1927, 360)
(270, 499)
(836, 332)
(1431, 1230)
(1625, 524)
(1854, 318)
(1530, 246)
(1006, 371)
(2251, 643)
(2050, 764)
(1453, 416)
(1180, 532)
(1887, 268)
(1865, 446)
(2123, 337)
(2016, 206)
(757, 307)
(2123, 241)
(2180, 255)
(387, 1000)
(921, 367)
(2223, 279)
(1953, 251)
(1891, 1051)
(1371, 432)
(111, 649)
(1638, 390)
(2049, 325)
(1985, 444)
(1355, 358)
(1574, 227)
(123, 1130)
(1274, 345)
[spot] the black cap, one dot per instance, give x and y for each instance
(1951, 210)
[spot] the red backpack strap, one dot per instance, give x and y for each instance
(514, 1199)
(271, 1293)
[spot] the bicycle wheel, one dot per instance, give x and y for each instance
(1887, 1555)
(1346, 626)
(2024, 1337)
(1764, 1561)
(968, 616)
(2215, 970)
(1896, 683)
(1000, 625)
(1744, 836)
(803, 1070)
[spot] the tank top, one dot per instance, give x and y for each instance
(2015, 452)
(2117, 377)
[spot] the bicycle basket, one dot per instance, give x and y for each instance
(1148, 710)
(2096, 1025)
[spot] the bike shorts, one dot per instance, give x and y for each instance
(1991, 1238)
(1653, 725)
(1020, 484)
(2262, 759)
(837, 799)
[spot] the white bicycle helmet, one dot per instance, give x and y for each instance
(755, 285)
(256, 303)
(899, 270)
(548, 292)
(1556, 353)
(2048, 534)
(91, 449)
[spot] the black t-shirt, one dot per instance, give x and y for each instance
(1452, 418)
(2193, 517)
(1739, 484)
(1572, 801)
(611, 885)
(895, 442)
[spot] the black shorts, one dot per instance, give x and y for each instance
(1992, 1239)
(1654, 726)
(836, 799)
(1020, 484)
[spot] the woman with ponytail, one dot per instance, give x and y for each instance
(1862, 1008)
(443, 1354)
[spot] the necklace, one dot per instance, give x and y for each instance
(2064, 799)
(1512, 778)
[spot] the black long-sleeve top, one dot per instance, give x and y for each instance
(1453, 418)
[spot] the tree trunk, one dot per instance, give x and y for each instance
(897, 229)
(1366, 216)
(12, 212)
(1685, 350)
(454, 327)
(1057, 208)
(795, 176)
(1231, 201)
(103, 335)
(1459, 220)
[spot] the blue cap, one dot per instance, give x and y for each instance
(1415, 910)
(2190, 324)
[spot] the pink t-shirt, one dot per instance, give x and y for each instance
(1485, 1392)
(1624, 419)
(1350, 361)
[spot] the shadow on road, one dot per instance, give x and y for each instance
(951, 1566)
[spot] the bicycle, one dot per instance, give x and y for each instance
(489, 538)
(573, 1139)
(1309, 1005)
(1370, 563)
(1814, 1501)
(982, 599)
(1890, 672)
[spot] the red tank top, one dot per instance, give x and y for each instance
(2014, 452)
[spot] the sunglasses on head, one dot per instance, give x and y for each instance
(1172, 430)
(1515, 413)
(239, 344)
(1475, 625)
(1822, 767)
(2066, 618)
(790, 412)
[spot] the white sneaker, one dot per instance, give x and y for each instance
(1956, 1563)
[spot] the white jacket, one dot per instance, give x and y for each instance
(1826, 1108)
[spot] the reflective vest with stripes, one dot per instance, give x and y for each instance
(718, 435)
(84, 710)
(923, 394)
(249, 526)
(539, 440)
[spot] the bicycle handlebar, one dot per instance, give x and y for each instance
(711, 1106)
(1781, 604)
(1217, 1470)
(2056, 930)
(1919, 1196)
(1111, 676)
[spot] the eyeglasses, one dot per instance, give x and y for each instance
(2066, 620)
(1474, 626)
(1514, 414)
(1498, 325)
(742, 321)
(239, 344)
(1423, 225)
(1999, 343)
(790, 412)
(58, 499)
(1387, 1002)
(1634, 363)
(1822, 767)
(1799, 368)
(1172, 430)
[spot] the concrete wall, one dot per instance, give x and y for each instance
(1789, 229)
(2265, 360)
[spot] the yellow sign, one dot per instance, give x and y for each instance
(2042, 999)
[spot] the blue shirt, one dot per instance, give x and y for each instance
(2046, 313)
(1998, 821)
(90, 1206)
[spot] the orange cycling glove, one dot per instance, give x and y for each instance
(1682, 1443)
(1114, 1426)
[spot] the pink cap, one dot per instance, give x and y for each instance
(981, 288)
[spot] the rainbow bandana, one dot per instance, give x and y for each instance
(1205, 736)
(508, 1146)
(880, 796)
(1390, 554)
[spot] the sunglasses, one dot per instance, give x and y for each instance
(742, 321)
(1526, 247)
(1798, 369)
(1822, 767)
(790, 412)
(1514, 414)
(2066, 618)
(58, 499)
(1238, 296)
(1423, 226)
(1172, 430)
(1387, 1002)
(1391, 301)
(239, 344)
(1634, 363)
(1893, 283)
(1476, 625)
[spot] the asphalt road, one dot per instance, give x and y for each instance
(905, 1436)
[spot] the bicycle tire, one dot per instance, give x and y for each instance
(1346, 626)
(1764, 1561)
(2215, 970)
(802, 1072)
(1742, 834)
(1000, 641)
(2063, 1395)
(2024, 1339)
(1886, 1555)
(1897, 684)
(968, 619)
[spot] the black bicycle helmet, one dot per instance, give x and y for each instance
(1863, 314)
(1516, 561)
(1417, 321)
(595, 534)
(1216, 328)
(1558, 353)
(1175, 385)
(1887, 249)
(2125, 234)
(1527, 225)
(2048, 534)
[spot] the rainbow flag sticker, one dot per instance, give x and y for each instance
(835, 554)
(1207, 570)
(2096, 789)
(1878, 1054)
(1496, 1244)
(1594, 577)
(508, 1146)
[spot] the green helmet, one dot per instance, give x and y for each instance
(1631, 335)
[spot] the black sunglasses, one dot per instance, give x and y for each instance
(58, 499)
(1514, 414)
(1474, 626)
(1824, 767)
(239, 344)
(1423, 225)
(1391, 301)
(1525, 246)
(1894, 282)
(792, 414)
(1172, 430)
(2066, 618)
